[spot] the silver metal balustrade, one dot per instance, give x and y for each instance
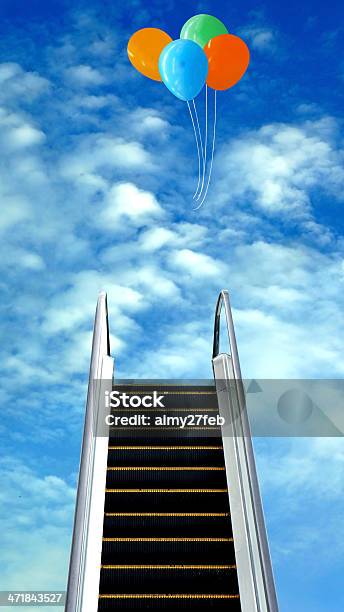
(83, 579)
(256, 582)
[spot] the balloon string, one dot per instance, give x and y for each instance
(205, 143)
(212, 157)
(197, 145)
(201, 146)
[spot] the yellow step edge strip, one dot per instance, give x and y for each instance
(169, 567)
(179, 514)
(167, 539)
(163, 468)
(165, 447)
(167, 596)
(166, 490)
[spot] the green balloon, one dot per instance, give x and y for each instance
(202, 28)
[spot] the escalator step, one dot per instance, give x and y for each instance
(175, 397)
(173, 524)
(172, 411)
(205, 551)
(165, 440)
(165, 455)
(160, 477)
(167, 500)
(152, 432)
(168, 579)
(170, 602)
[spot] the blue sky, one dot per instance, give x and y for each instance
(97, 172)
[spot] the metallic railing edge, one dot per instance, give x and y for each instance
(250, 495)
(100, 349)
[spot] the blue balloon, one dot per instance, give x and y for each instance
(183, 67)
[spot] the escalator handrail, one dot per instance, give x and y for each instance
(251, 497)
(100, 349)
(223, 300)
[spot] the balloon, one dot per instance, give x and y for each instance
(201, 28)
(228, 58)
(183, 67)
(144, 50)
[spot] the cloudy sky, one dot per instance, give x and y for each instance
(97, 171)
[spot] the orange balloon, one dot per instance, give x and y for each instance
(144, 50)
(228, 58)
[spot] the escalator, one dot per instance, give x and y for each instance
(167, 537)
(169, 517)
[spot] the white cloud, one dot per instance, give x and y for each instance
(17, 132)
(277, 166)
(191, 234)
(152, 280)
(184, 352)
(25, 136)
(13, 210)
(259, 37)
(149, 120)
(103, 46)
(297, 470)
(29, 167)
(85, 76)
(196, 264)
(41, 373)
(155, 238)
(174, 235)
(274, 309)
(126, 201)
(22, 258)
(8, 71)
(302, 487)
(280, 310)
(18, 85)
(94, 102)
(99, 153)
(36, 514)
(75, 307)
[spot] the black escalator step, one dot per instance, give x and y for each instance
(166, 500)
(178, 411)
(173, 524)
(136, 551)
(172, 402)
(162, 385)
(172, 399)
(166, 440)
(168, 579)
(160, 433)
(165, 455)
(173, 476)
(191, 603)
